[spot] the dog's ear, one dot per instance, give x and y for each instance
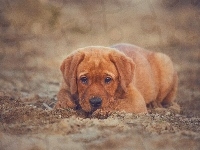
(125, 67)
(69, 70)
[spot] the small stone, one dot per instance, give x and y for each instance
(168, 113)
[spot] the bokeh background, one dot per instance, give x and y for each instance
(35, 37)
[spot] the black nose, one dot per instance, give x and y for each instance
(95, 102)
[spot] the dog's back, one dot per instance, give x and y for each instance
(155, 71)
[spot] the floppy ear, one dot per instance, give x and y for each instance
(69, 70)
(125, 67)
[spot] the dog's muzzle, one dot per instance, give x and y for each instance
(95, 102)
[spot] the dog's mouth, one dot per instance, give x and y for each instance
(93, 109)
(88, 110)
(91, 105)
(87, 113)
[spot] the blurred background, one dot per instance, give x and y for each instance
(36, 35)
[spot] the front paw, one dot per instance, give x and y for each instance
(57, 105)
(65, 105)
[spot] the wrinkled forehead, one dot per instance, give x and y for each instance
(97, 63)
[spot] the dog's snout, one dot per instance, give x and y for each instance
(95, 102)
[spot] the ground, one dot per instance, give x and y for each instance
(37, 35)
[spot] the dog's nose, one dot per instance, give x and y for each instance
(95, 102)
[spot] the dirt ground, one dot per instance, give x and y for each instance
(36, 35)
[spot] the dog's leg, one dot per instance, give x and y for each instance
(64, 100)
(154, 104)
(133, 102)
(168, 100)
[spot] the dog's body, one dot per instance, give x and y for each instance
(121, 77)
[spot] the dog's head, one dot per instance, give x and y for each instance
(97, 76)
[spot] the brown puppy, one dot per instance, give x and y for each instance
(121, 77)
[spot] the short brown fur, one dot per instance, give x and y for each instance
(139, 78)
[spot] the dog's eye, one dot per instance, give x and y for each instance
(84, 80)
(108, 79)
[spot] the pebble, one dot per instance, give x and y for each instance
(168, 113)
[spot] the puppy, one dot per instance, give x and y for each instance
(123, 77)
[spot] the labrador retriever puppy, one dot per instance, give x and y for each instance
(123, 77)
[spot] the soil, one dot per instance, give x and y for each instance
(33, 43)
